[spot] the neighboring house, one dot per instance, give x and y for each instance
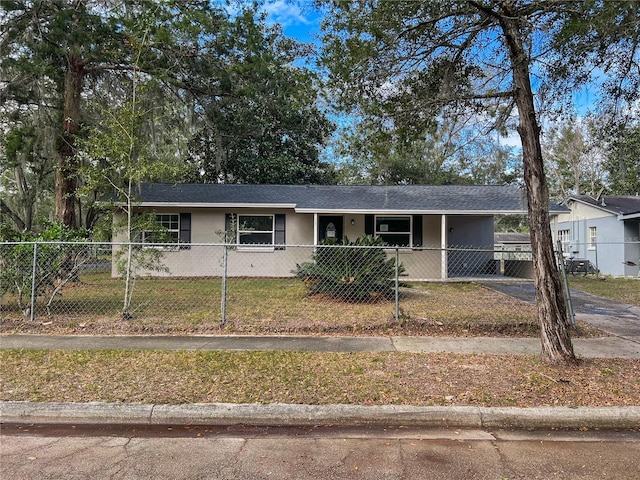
(605, 231)
(513, 250)
(264, 219)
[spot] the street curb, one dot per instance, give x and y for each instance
(225, 414)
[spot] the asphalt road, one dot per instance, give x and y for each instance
(32, 452)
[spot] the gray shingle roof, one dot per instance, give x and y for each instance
(618, 204)
(343, 198)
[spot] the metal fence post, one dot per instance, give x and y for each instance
(565, 284)
(396, 289)
(33, 283)
(223, 307)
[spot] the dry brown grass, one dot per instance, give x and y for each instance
(314, 378)
(625, 290)
(279, 306)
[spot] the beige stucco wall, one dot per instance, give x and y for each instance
(431, 230)
(207, 260)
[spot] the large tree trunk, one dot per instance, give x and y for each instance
(552, 313)
(67, 169)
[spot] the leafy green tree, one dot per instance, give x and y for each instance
(377, 152)
(267, 128)
(377, 156)
(228, 78)
(25, 173)
(27, 148)
(417, 62)
(74, 46)
(120, 149)
(574, 159)
(623, 161)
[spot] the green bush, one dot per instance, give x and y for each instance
(56, 263)
(358, 271)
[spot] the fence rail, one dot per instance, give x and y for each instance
(231, 282)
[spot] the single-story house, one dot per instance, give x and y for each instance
(603, 230)
(267, 221)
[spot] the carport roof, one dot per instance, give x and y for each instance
(450, 199)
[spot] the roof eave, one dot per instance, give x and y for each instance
(366, 211)
(211, 205)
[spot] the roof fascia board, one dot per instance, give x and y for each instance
(213, 205)
(629, 216)
(409, 212)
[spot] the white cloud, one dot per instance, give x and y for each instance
(285, 13)
(512, 140)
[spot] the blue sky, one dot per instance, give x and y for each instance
(299, 20)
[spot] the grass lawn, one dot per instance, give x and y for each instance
(314, 378)
(272, 306)
(259, 306)
(625, 290)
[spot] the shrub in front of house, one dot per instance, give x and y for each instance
(357, 271)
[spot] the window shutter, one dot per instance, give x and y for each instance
(368, 225)
(280, 232)
(185, 230)
(417, 231)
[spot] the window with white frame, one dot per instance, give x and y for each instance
(395, 230)
(167, 231)
(256, 229)
(565, 240)
(593, 237)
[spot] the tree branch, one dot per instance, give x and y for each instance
(5, 210)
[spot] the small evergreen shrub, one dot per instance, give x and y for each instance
(358, 271)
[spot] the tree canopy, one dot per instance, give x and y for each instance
(375, 155)
(224, 74)
(268, 127)
(413, 64)
(574, 157)
(623, 161)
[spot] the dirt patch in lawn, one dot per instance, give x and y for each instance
(64, 325)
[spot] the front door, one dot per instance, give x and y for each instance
(329, 225)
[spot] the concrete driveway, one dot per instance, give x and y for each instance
(616, 318)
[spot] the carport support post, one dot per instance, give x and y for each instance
(444, 268)
(223, 306)
(396, 289)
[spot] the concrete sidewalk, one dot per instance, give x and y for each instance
(600, 347)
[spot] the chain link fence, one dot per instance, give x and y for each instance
(618, 259)
(226, 284)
